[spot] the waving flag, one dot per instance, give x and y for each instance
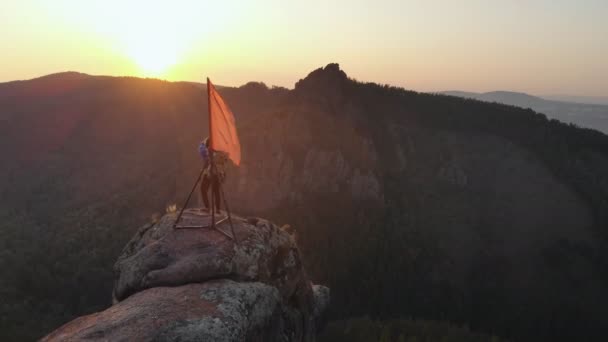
(222, 128)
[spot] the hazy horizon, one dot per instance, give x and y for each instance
(542, 48)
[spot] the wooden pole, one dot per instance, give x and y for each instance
(211, 153)
(213, 171)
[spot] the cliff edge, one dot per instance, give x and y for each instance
(199, 285)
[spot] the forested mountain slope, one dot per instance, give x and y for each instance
(405, 204)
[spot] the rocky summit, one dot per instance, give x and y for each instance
(200, 285)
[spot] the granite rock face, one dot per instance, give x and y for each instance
(200, 285)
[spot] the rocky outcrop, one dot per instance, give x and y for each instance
(199, 285)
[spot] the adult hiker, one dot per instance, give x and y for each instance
(213, 174)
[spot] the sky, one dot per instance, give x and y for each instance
(537, 46)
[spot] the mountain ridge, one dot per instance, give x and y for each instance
(406, 204)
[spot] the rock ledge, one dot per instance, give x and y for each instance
(198, 285)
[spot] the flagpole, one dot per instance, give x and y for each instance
(213, 172)
(212, 175)
(211, 153)
(200, 175)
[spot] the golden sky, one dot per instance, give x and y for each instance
(535, 46)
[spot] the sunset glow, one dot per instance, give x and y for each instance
(542, 47)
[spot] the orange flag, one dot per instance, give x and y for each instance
(222, 128)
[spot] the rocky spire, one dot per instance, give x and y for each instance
(198, 285)
(328, 84)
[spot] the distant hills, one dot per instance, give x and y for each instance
(592, 114)
(599, 100)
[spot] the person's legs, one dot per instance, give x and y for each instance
(215, 188)
(204, 189)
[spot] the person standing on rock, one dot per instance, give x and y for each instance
(211, 176)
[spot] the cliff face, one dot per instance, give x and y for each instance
(471, 192)
(463, 202)
(199, 285)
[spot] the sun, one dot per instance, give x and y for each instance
(154, 54)
(153, 59)
(156, 39)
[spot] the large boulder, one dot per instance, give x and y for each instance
(201, 285)
(162, 256)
